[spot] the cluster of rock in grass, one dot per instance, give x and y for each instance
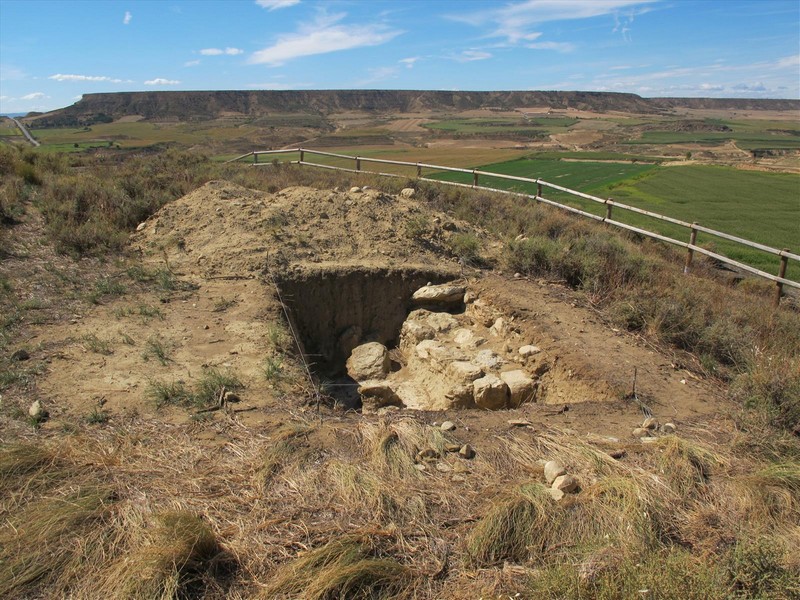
(559, 480)
(432, 458)
(454, 352)
(650, 428)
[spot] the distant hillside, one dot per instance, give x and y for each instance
(188, 106)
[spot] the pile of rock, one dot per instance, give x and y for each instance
(650, 428)
(447, 360)
(559, 480)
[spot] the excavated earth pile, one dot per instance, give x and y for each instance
(363, 287)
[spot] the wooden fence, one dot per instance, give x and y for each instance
(784, 255)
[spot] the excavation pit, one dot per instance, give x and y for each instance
(333, 310)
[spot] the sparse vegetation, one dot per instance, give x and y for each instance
(326, 504)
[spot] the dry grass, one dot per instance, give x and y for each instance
(172, 559)
(352, 566)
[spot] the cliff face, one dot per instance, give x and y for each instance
(187, 106)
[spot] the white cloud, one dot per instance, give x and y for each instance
(35, 96)
(276, 4)
(321, 37)
(219, 51)
(161, 81)
(514, 21)
(127, 19)
(788, 61)
(557, 46)
(4, 98)
(62, 77)
(376, 75)
(410, 61)
(471, 55)
(191, 63)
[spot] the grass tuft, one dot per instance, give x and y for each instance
(348, 567)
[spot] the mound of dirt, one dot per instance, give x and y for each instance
(225, 230)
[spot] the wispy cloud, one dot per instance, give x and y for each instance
(126, 20)
(377, 74)
(557, 46)
(161, 81)
(788, 61)
(219, 51)
(516, 22)
(191, 63)
(276, 4)
(63, 77)
(322, 36)
(35, 96)
(471, 55)
(410, 61)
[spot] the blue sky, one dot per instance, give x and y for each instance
(52, 52)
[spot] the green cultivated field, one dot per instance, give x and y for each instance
(748, 135)
(762, 207)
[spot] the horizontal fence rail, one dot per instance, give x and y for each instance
(784, 254)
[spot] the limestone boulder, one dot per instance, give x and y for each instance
(445, 294)
(464, 372)
(521, 387)
(368, 361)
(378, 393)
(488, 360)
(490, 392)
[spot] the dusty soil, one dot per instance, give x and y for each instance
(228, 247)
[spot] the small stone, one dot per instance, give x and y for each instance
(617, 454)
(206, 327)
(231, 397)
(519, 423)
(452, 447)
(460, 467)
(499, 328)
(529, 350)
(37, 411)
(458, 479)
(141, 226)
(488, 359)
(407, 192)
(443, 467)
(517, 275)
(466, 451)
(556, 494)
(565, 483)
(20, 355)
(355, 190)
(650, 423)
(448, 426)
(668, 428)
(427, 455)
(640, 431)
(553, 469)
(470, 297)
(420, 467)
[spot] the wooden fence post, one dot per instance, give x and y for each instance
(302, 155)
(690, 252)
(255, 158)
(474, 179)
(782, 274)
(419, 171)
(538, 190)
(358, 163)
(609, 206)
